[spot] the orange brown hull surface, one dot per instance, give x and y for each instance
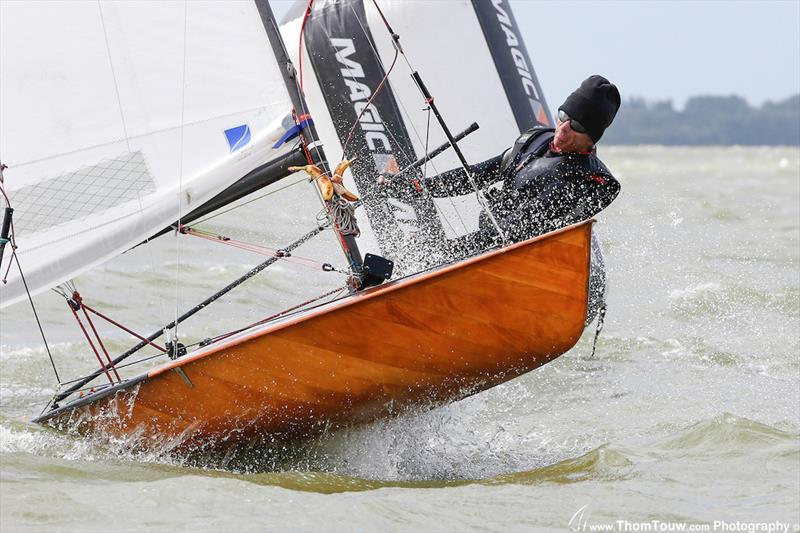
(421, 341)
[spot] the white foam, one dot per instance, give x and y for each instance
(694, 290)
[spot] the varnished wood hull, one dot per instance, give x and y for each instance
(421, 341)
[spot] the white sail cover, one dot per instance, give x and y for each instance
(118, 117)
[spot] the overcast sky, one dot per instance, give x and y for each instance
(667, 49)
(661, 49)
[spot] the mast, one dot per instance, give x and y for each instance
(309, 133)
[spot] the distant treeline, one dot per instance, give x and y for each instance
(707, 120)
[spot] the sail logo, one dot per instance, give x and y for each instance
(512, 62)
(238, 137)
(373, 127)
(370, 121)
(526, 78)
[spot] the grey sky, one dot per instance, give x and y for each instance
(662, 49)
(666, 50)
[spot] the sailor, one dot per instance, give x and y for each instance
(550, 177)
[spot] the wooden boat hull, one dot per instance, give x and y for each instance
(425, 340)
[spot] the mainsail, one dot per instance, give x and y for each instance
(119, 118)
(472, 58)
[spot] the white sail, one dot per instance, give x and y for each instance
(118, 117)
(464, 70)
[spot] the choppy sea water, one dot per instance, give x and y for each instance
(689, 413)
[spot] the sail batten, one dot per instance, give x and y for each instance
(119, 117)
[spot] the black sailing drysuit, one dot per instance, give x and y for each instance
(541, 190)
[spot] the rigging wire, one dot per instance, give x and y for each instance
(180, 167)
(38, 322)
(375, 93)
(151, 255)
(114, 76)
(15, 258)
(427, 138)
(375, 53)
(400, 146)
(282, 314)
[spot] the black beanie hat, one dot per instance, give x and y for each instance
(594, 104)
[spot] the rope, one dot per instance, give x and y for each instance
(36, 315)
(75, 302)
(395, 37)
(317, 146)
(298, 83)
(123, 328)
(375, 93)
(256, 248)
(300, 44)
(287, 312)
(344, 213)
(398, 144)
(191, 312)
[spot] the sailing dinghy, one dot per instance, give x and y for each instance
(154, 115)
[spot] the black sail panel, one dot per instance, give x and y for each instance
(342, 52)
(513, 63)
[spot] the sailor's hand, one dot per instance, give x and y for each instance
(399, 186)
(386, 179)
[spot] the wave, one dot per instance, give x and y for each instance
(726, 434)
(431, 450)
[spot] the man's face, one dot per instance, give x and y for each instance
(568, 140)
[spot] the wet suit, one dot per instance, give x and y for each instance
(542, 190)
